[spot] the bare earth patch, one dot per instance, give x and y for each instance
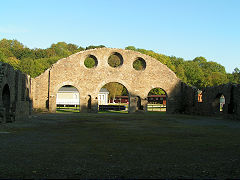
(151, 145)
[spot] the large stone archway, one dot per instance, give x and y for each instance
(72, 71)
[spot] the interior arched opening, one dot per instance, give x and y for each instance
(220, 102)
(157, 100)
(113, 97)
(68, 99)
(6, 101)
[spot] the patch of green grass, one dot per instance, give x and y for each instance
(67, 110)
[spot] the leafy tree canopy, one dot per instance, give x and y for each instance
(197, 72)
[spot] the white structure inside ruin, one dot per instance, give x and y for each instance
(69, 95)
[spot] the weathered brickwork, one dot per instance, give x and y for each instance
(15, 103)
(88, 81)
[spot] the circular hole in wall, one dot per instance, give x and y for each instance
(115, 60)
(139, 64)
(91, 61)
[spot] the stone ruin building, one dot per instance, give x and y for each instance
(15, 89)
(20, 93)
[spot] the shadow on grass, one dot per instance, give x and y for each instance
(115, 112)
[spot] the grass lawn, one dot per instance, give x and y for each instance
(115, 145)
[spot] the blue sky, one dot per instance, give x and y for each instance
(182, 28)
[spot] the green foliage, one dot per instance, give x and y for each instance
(139, 64)
(114, 88)
(114, 60)
(93, 47)
(2, 56)
(199, 72)
(131, 48)
(156, 91)
(200, 60)
(235, 76)
(217, 78)
(194, 73)
(35, 67)
(90, 62)
(61, 49)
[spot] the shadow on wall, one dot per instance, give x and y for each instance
(221, 100)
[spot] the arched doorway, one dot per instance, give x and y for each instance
(157, 100)
(68, 99)
(222, 102)
(219, 103)
(113, 97)
(6, 101)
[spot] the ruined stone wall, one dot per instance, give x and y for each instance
(188, 99)
(15, 94)
(236, 101)
(88, 81)
(211, 100)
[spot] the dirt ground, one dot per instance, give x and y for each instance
(123, 146)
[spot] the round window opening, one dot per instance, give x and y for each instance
(91, 61)
(115, 60)
(139, 64)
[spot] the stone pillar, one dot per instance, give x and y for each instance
(144, 103)
(132, 107)
(94, 108)
(52, 104)
(83, 104)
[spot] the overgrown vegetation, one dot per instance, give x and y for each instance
(197, 72)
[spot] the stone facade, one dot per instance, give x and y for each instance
(15, 103)
(19, 92)
(89, 81)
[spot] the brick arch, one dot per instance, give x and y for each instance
(89, 80)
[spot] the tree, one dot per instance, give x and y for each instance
(194, 74)
(93, 47)
(235, 76)
(114, 88)
(2, 56)
(156, 91)
(213, 67)
(217, 78)
(14, 62)
(90, 62)
(181, 73)
(130, 48)
(61, 49)
(139, 64)
(200, 60)
(114, 60)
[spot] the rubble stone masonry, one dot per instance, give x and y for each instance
(19, 93)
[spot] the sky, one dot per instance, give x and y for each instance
(181, 28)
